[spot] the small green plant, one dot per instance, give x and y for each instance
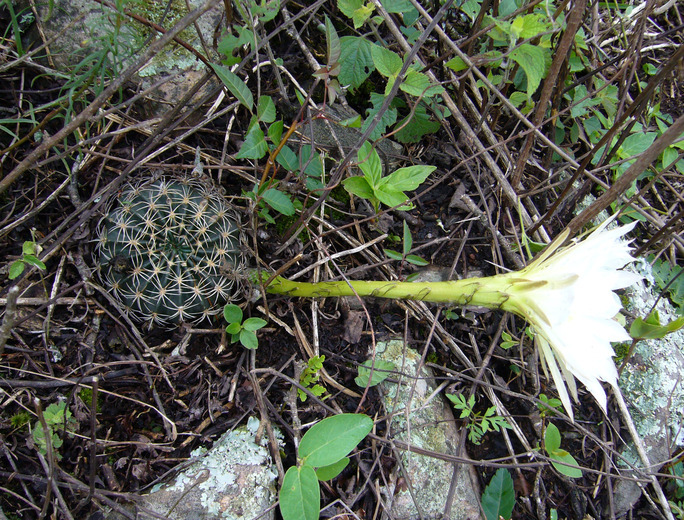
(309, 378)
(380, 371)
(478, 423)
(388, 190)
(19, 420)
(57, 418)
(675, 489)
(669, 277)
(560, 459)
(239, 330)
(498, 498)
(508, 341)
(323, 454)
(651, 328)
(29, 252)
(404, 255)
(548, 406)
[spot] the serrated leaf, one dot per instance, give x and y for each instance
(232, 313)
(358, 186)
(300, 495)
(330, 472)
(255, 146)
(529, 26)
(532, 60)
(381, 370)
(498, 498)
(266, 109)
(235, 85)
(418, 84)
(279, 201)
(387, 62)
(388, 118)
(333, 438)
(356, 62)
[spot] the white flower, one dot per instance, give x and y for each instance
(567, 295)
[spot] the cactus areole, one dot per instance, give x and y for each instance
(169, 251)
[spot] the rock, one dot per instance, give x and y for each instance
(101, 26)
(654, 391)
(235, 479)
(431, 426)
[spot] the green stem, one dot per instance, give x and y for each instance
(493, 292)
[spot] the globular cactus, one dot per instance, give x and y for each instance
(170, 251)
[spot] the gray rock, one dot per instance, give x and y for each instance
(422, 489)
(233, 480)
(654, 391)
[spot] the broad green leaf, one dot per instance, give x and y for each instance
(275, 132)
(356, 62)
(394, 255)
(387, 62)
(300, 496)
(279, 201)
(356, 10)
(266, 110)
(369, 162)
(249, 339)
(255, 146)
(388, 118)
(670, 155)
(566, 458)
(381, 371)
(456, 64)
(330, 472)
(333, 438)
(416, 260)
(530, 25)
(650, 328)
(532, 60)
(288, 159)
(552, 438)
(637, 143)
(232, 313)
(333, 42)
(408, 178)
(235, 85)
(234, 328)
(35, 261)
(419, 125)
(358, 186)
(498, 498)
(254, 324)
(16, 269)
(418, 84)
(389, 196)
(29, 248)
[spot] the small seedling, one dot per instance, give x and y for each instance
(29, 252)
(242, 331)
(548, 406)
(408, 244)
(478, 423)
(57, 417)
(309, 378)
(380, 371)
(323, 454)
(568, 465)
(508, 341)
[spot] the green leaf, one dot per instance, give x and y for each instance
(408, 239)
(532, 60)
(355, 10)
(566, 458)
(232, 313)
(279, 201)
(394, 255)
(369, 162)
(418, 84)
(636, 144)
(275, 132)
(333, 43)
(650, 328)
(552, 438)
(388, 118)
(333, 438)
(234, 329)
(331, 471)
(416, 260)
(300, 496)
(16, 269)
(34, 260)
(530, 25)
(417, 126)
(266, 110)
(358, 186)
(356, 62)
(381, 371)
(408, 178)
(235, 85)
(498, 498)
(387, 62)
(249, 339)
(255, 146)
(288, 159)
(254, 324)
(456, 64)
(29, 248)
(389, 196)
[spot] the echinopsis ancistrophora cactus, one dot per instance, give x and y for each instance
(170, 251)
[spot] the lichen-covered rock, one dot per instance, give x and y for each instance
(421, 490)
(653, 387)
(234, 480)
